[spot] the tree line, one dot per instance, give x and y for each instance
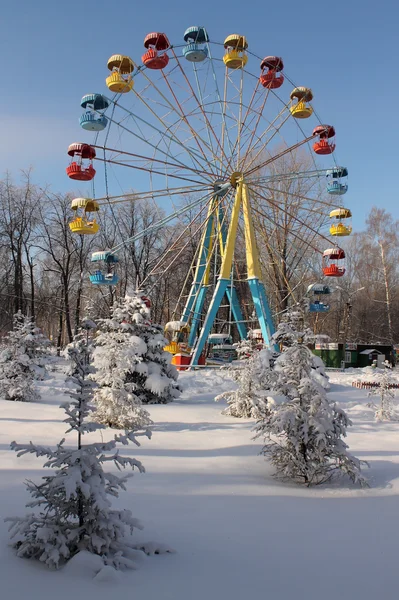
(45, 267)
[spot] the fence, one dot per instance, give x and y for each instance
(369, 385)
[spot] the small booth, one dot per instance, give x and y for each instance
(220, 349)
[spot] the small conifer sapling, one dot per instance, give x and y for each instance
(74, 502)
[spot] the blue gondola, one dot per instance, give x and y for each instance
(318, 306)
(336, 181)
(100, 278)
(92, 119)
(110, 277)
(196, 37)
(319, 289)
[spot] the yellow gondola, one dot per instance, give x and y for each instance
(235, 56)
(120, 80)
(341, 229)
(177, 332)
(84, 224)
(301, 109)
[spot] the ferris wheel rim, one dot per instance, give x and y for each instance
(230, 155)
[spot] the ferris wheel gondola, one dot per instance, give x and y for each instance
(108, 277)
(337, 181)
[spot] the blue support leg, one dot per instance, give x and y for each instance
(262, 310)
(197, 315)
(232, 297)
(209, 319)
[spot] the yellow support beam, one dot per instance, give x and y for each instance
(253, 264)
(227, 262)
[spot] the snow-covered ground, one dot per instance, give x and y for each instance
(237, 532)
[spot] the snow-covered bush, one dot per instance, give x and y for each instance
(131, 367)
(319, 372)
(75, 513)
(254, 377)
(303, 432)
(22, 360)
(386, 393)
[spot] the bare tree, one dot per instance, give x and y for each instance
(18, 220)
(289, 215)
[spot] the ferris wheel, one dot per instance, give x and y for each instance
(212, 123)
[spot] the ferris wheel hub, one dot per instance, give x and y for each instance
(235, 178)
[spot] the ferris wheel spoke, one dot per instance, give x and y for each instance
(239, 124)
(179, 113)
(172, 248)
(198, 139)
(296, 195)
(200, 106)
(148, 170)
(254, 129)
(167, 128)
(279, 155)
(260, 141)
(200, 94)
(233, 118)
(243, 125)
(137, 196)
(162, 222)
(151, 160)
(279, 226)
(288, 213)
(294, 220)
(293, 176)
(161, 134)
(221, 105)
(147, 142)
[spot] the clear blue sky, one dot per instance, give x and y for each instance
(346, 51)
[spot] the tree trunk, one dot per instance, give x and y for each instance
(387, 292)
(60, 327)
(78, 302)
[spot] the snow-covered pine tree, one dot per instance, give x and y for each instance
(293, 329)
(30, 340)
(26, 338)
(250, 345)
(21, 360)
(254, 378)
(74, 501)
(386, 393)
(131, 367)
(302, 430)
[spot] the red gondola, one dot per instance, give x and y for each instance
(81, 167)
(326, 143)
(271, 77)
(155, 42)
(332, 262)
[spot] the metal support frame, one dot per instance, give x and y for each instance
(241, 203)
